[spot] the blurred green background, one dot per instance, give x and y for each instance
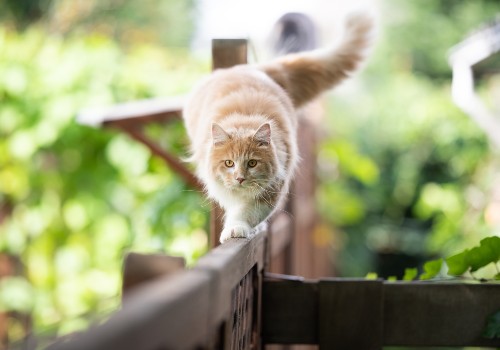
(404, 174)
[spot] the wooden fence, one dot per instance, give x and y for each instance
(233, 297)
(228, 302)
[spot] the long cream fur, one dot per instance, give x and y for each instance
(242, 123)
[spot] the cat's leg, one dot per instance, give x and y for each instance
(240, 222)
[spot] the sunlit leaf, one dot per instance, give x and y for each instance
(431, 269)
(492, 247)
(479, 257)
(410, 274)
(457, 264)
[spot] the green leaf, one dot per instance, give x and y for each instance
(492, 330)
(410, 274)
(479, 257)
(392, 279)
(487, 252)
(431, 269)
(457, 264)
(492, 244)
(371, 276)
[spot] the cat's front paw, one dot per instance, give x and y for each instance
(235, 231)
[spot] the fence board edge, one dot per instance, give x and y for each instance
(139, 111)
(146, 320)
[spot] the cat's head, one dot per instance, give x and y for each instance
(243, 160)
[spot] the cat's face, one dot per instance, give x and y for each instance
(243, 162)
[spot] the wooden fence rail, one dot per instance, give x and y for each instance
(215, 304)
(363, 314)
(226, 302)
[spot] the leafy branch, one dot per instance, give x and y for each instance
(462, 264)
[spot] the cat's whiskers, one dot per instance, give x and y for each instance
(268, 190)
(274, 206)
(263, 197)
(206, 203)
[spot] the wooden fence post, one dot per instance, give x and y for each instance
(140, 268)
(310, 254)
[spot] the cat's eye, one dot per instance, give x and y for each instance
(229, 163)
(252, 163)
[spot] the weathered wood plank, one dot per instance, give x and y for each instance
(140, 268)
(281, 241)
(133, 113)
(216, 224)
(411, 314)
(169, 313)
(439, 314)
(281, 233)
(290, 312)
(227, 265)
(350, 314)
(228, 52)
(310, 258)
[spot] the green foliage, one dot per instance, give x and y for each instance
(81, 197)
(168, 22)
(25, 12)
(469, 260)
(488, 252)
(404, 170)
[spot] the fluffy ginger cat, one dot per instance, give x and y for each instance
(242, 123)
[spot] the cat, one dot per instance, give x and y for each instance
(242, 125)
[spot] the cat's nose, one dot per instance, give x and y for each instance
(240, 179)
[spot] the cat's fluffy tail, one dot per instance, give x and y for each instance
(305, 75)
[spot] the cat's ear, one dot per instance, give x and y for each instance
(219, 135)
(263, 135)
